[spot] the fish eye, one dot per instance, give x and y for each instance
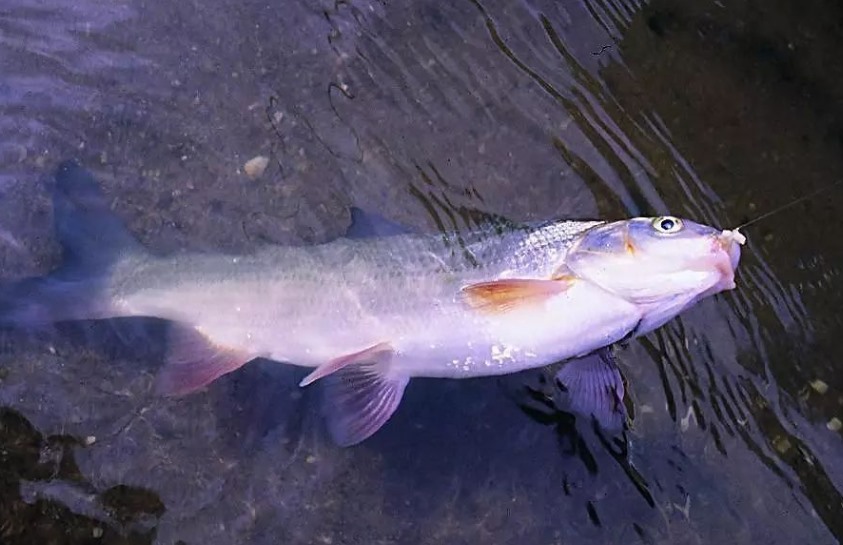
(667, 224)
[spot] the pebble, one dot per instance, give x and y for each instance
(256, 166)
(819, 386)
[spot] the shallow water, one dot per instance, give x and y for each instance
(431, 114)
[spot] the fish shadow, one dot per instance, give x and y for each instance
(257, 403)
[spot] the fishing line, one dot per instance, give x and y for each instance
(790, 204)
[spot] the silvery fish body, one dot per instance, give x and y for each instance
(310, 305)
(367, 314)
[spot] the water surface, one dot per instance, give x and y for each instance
(433, 114)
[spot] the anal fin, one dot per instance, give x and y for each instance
(592, 387)
(361, 393)
(194, 361)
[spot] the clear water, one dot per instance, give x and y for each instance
(430, 112)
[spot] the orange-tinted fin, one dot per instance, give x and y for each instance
(361, 393)
(373, 352)
(194, 361)
(503, 295)
(563, 273)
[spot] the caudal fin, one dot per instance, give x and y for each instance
(92, 238)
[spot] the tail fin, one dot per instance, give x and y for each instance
(92, 238)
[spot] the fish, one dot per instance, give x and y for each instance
(366, 312)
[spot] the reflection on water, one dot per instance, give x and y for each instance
(438, 116)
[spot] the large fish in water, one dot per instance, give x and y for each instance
(367, 314)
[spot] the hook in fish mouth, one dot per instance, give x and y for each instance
(727, 255)
(724, 258)
(731, 242)
(728, 235)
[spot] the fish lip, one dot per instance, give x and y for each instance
(731, 242)
(724, 259)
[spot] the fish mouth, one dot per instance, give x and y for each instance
(724, 259)
(730, 242)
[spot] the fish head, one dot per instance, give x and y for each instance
(662, 264)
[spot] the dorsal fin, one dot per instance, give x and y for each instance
(368, 224)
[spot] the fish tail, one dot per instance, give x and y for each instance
(93, 240)
(40, 301)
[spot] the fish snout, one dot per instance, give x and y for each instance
(726, 254)
(731, 242)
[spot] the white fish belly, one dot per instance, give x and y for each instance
(454, 342)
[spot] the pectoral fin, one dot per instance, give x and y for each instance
(193, 361)
(362, 391)
(511, 293)
(592, 386)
